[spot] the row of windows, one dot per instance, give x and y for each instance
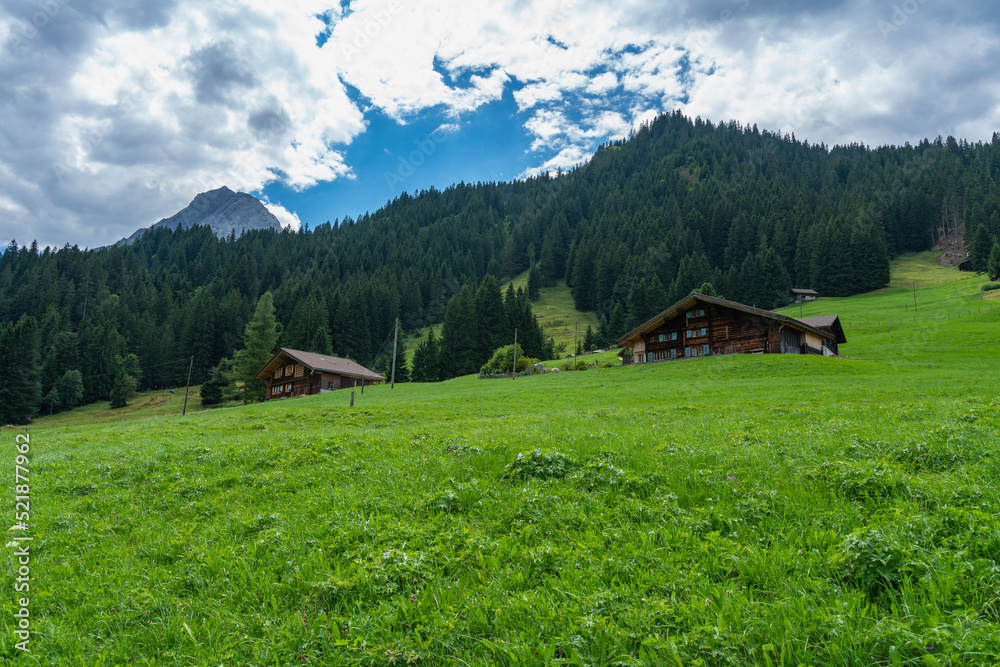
(703, 351)
(696, 313)
(277, 389)
(691, 333)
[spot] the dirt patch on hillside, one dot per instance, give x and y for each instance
(953, 249)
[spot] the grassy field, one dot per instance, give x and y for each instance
(743, 510)
(144, 406)
(555, 312)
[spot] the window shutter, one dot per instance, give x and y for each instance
(704, 331)
(706, 350)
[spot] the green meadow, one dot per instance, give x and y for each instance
(742, 510)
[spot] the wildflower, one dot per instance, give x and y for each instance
(708, 602)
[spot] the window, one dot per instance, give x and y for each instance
(289, 369)
(276, 390)
(329, 385)
(288, 387)
(278, 373)
(706, 350)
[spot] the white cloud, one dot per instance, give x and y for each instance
(284, 216)
(118, 113)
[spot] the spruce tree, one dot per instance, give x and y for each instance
(993, 264)
(20, 388)
(259, 342)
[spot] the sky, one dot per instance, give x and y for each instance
(116, 113)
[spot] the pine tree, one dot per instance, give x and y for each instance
(20, 388)
(426, 360)
(459, 334)
(490, 317)
(993, 264)
(534, 284)
(979, 249)
(70, 388)
(259, 342)
(588, 340)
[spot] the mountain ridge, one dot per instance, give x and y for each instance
(222, 210)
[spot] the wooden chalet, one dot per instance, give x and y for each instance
(700, 325)
(803, 295)
(295, 373)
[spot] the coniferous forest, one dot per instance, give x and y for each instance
(679, 203)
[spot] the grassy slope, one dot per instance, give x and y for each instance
(144, 406)
(554, 309)
(736, 510)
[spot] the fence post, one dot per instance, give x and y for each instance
(352, 398)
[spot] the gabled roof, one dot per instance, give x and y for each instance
(317, 362)
(829, 323)
(807, 292)
(695, 297)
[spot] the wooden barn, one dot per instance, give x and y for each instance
(803, 295)
(700, 325)
(295, 373)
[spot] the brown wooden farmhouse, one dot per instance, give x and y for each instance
(700, 325)
(297, 373)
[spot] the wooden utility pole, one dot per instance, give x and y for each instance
(914, 295)
(395, 338)
(190, 366)
(576, 345)
(513, 370)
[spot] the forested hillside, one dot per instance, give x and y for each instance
(649, 218)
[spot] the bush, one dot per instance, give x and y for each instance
(503, 360)
(864, 480)
(540, 465)
(574, 365)
(989, 287)
(875, 559)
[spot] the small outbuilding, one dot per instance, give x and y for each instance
(292, 373)
(803, 295)
(700, 325)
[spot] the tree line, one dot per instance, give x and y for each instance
(678, 203)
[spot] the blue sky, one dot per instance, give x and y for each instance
(116, 113)
(390, 158)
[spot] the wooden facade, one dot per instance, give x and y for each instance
(700, 325)
(803, 295)
(293, 373)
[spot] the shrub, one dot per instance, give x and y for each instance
(989, 287)
(875, 558)
(503, 360)
(864, 480)
(540, 465)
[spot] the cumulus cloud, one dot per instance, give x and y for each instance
(285, 217)
(116, 113)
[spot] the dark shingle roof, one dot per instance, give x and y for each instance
(326, 363)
